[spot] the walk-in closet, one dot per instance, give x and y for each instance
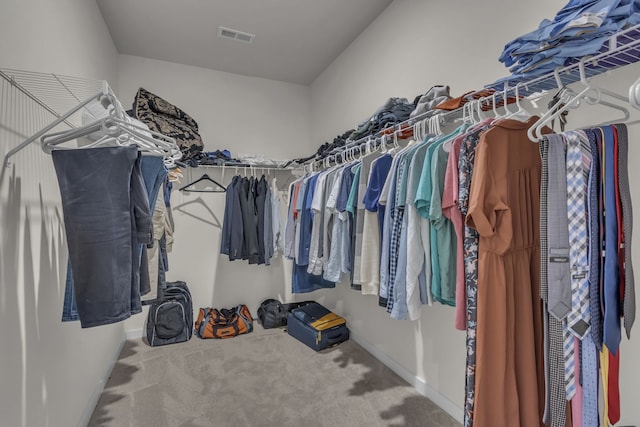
(319, 213)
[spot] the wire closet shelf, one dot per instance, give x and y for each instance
(620, 49)
(61, 97)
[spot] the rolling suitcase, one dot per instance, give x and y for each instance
(317, 327)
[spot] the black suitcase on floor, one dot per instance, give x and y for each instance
(317, 327)
(170, 318)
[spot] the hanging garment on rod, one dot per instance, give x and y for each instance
(601, 275)
(504, 208)
(297, 233)
(251, 225)
(153, 174)
(106, 275)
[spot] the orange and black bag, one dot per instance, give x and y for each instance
(223, 323)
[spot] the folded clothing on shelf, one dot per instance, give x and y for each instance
(579, 29)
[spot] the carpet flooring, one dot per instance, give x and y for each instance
(265, 378)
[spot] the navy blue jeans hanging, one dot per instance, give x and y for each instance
(107, 217)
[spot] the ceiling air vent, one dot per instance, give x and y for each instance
(228, 33)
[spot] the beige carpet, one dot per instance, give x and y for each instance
(265, 378)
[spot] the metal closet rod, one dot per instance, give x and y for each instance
(622, 48)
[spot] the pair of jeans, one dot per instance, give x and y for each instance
(154, 174)
(106, 214)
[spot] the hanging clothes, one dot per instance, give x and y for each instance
(504, 209)
(106, 278)
(251, 225)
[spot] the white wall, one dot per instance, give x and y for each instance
(245, 115)
(51, 373)
(412, 46)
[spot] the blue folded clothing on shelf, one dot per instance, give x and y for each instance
(579, 29)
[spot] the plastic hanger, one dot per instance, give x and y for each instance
(521, 113)
(574, 100)
(117, 132)
(634, 94)
(219, 189)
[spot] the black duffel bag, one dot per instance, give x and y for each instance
(273, 314)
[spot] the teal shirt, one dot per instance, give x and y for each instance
(423, 200)
(423, 205)
(445, 243)
(353, 193)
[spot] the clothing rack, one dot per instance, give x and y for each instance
(284, 176)
(622, 48)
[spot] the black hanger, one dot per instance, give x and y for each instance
(219, 189)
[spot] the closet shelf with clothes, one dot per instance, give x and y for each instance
(76, 108)
(531, 243)
(620, 49)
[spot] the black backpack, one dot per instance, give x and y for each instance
(170, 317)
(273, 314)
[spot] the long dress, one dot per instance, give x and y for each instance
(504, 208)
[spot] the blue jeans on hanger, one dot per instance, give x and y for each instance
(106, 214)
(154, 173)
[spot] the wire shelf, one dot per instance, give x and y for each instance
(622, 48)
(34, 103)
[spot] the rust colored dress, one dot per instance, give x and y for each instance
(504, 208)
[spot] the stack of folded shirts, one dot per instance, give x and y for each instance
(579, 29)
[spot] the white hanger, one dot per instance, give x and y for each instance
(535, 131)
(494, 105)
(521, 113)
(465, 113)
(395, 140)
(634, 94)
(505, 101)
(383, 144)
(119, 132)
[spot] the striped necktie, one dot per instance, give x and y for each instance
(579, 317)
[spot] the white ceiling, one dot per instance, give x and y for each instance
(295, 39)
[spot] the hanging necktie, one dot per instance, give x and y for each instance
(553, 210)
(613, 273)
(629, 298)
(612, 333)
(579, 317)
(561, 341)
(589, 352)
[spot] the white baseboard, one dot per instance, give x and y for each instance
(418, 383)
(97, 392)
(134, 334)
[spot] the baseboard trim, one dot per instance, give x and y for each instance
(99, 388)
(418, 383)
(134, 334)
